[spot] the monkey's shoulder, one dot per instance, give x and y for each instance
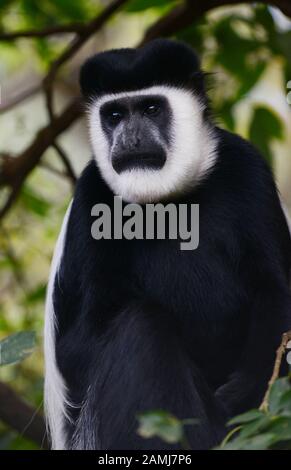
(240, 164)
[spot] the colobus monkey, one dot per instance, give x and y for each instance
(137, 325)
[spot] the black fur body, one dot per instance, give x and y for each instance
(143, 325)
(148, 326)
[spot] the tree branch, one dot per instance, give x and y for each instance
(55, 171)
(276, 370)
(66, 162)
(21, 416)
(79, 40)
(50, 31)
(14, 170)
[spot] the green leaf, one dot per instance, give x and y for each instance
(247, 64)
(263, 16)
(250, 78)
(284, 43)
(34, 12)
(246, 417)
(280, 427)
(225, 111)
(33, 202)
(35, 295)
(71, 10)
(261, 442)
(285, 403)
(277, 393)
(193, 35)
(264, 128)
(140, 5)
(255, 427)
(16, 347)
(161, 424)
(229, 40)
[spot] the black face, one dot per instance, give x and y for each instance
(138, 131)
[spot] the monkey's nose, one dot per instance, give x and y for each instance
(130, 141)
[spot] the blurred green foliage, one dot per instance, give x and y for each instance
(236, 46)
(134, 6)
(160, 424)
(261, 430)
(265, 127)
(254, 430)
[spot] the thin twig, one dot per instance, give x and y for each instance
(15, 170)
(276, 371)
(66, 162)
(49, 31)
(13, 195)
(21, 416)
(53, 170)
(229, 435)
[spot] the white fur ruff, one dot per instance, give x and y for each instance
(190, 156)
(55, 401)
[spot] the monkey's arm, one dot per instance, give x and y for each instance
(246, 386)
(269, 251)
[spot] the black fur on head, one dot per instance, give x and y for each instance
(159, 62)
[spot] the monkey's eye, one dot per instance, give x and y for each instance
(151, 109)
(114, 116)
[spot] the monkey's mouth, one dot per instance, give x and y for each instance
(140, 160)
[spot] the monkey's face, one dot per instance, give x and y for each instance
(137, 129)
(150, 144)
